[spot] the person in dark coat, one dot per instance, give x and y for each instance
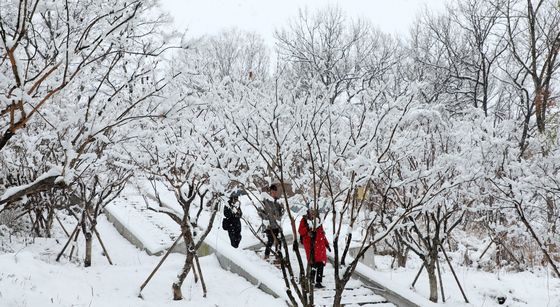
(271, 213)
(232, 219)
(315, 243)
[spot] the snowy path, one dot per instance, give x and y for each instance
(155, 232)
(355, 293)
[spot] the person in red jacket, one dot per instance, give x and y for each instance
(315, 243)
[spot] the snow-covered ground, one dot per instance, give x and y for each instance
(524, 289)
(153, 234)
(30, 276)
(537, 289)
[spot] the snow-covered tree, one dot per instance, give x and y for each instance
(86, 73)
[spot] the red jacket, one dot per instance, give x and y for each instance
(321, 243)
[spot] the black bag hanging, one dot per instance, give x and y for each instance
(225, 224)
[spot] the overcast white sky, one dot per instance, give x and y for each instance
(264, 16)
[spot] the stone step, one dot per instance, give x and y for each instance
(326, 292)
(355, 294)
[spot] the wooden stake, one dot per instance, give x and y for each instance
(61, 225)
(200, 273)
(74, 245)
(158, 265)
(102, 246)
(440, 281)
(417, 275)
(194, 271)
(67, 242)
(485, 250)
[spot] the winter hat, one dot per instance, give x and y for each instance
(234, 196)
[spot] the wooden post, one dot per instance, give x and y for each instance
(418, 275)
(454, 275)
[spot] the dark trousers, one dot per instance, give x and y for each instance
(234, 237)
(318, 271)
(272, 237)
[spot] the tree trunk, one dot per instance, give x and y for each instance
(401, 253)
(402, 257)
(431, 269)
(177, 293)
(89, 241)
(189, 244)
(50, 220)
(337, 299)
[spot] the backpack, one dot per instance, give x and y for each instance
(225, 225)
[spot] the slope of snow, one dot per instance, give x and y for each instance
(31, 277)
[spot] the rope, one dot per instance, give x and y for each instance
(547, 286)
(220, 214)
